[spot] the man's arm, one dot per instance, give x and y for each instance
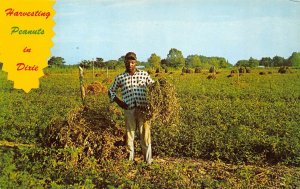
(113, 95)
(121, 103)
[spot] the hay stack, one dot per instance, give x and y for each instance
(163, 105)
(98, 74)
(248, 70)
(197, 70)
(241, 70)
(212, 69)
(107, 81)
(188, 70)
(95, 88)
(262, 73)
(91, 132)
(284, 69)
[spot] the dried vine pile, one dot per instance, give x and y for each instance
(163, 104)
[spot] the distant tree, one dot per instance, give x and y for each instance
(154, 61)
(248, 63)
(253, 62)
(294, 59)
(121, 59)
(205, 61)
(219, 62)
(193, 61)
(164, 63)
(99, 63)
(213, 61)
(266, 61)
(86, 63)
(175, 58)
(278, 61)
(242, 63)
(112, 64)
(56, 61)
(223, 63)
(1, 64)
(120, 62)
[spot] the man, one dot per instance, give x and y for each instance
(133, 84)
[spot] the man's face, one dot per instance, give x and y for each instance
(130, 65)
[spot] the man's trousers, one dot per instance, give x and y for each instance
(134, 120)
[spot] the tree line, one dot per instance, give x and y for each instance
(175, 59)
(276, 61)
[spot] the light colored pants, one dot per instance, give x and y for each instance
(135, 120)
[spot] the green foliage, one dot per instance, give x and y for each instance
(252, 62)
(266, 61)
(121, 59)
(278, 61)
(86, 64)
(218, 62)
(164, 63)
(243, 63)
(231, 113)
(56, 61)
(112, 64)
(99, 63)
(175, 58)
(294, 59)
(193, 61)
(36, 168)
(154, 61)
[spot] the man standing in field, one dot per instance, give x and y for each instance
(133, 84)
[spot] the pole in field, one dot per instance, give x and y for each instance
(93, 62)
(106, 72)
(238, 75)
(82, 90)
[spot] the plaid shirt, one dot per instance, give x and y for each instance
(133, 88)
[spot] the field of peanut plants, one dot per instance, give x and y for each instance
(233, 132)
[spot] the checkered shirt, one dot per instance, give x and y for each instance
(133, 88)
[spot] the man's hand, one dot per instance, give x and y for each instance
(121, 103)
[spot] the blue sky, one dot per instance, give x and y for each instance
(234, 29)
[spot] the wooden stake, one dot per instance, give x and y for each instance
(82, 90)
(93, 70)
(107, 72)
(238, 76)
